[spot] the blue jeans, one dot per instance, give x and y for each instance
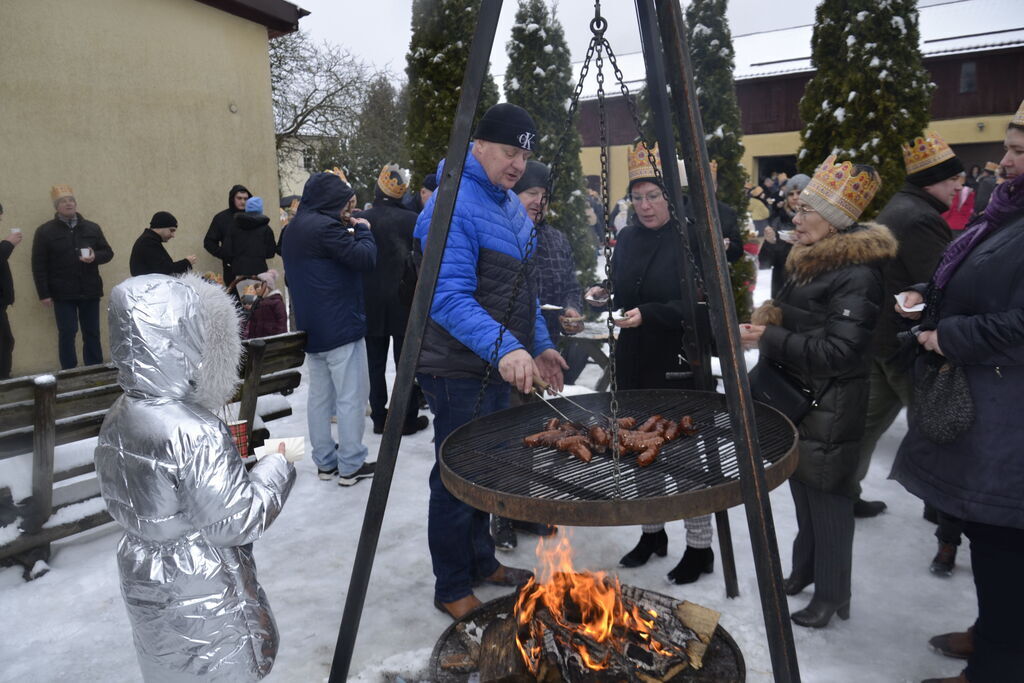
(339, 384)
(461, 547)
(70, 314)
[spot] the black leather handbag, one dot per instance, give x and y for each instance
(771, 384)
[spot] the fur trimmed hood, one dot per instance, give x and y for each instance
(175, 338)
(862, 243)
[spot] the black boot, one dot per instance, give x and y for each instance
(819, 612)
(868, 508)
(793, 584)
(696, 561)
(503, 533)
(656, 543)
(944, 560)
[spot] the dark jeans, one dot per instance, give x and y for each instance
(377, 359)
(948, 528)
(70, 314)
(997, 558)
(461, 547)
(6, 344)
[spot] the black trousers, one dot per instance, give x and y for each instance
(70, 314)
(377, 360)
(823, 549)
(6, 344)
(997, 559)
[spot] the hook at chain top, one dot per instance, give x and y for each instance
(599, 24)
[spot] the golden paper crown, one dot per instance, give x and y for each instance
(991, 166)
(393, 181)
(1018, 118)
(639, 162)
(926, 152)
(845, 195)
(58, 191)
(338, 172)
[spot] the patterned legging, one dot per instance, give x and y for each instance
(698, 531)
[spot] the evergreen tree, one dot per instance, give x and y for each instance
(711, 55)
(442, 31)
(870, 92)
(539, 78)
(378, 138)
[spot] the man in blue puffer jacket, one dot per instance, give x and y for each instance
(325, 253)
(486, 250)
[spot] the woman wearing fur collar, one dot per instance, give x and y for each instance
(819, 328)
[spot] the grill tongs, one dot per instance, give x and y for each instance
(541, 386)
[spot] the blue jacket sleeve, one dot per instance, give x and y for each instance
(541, 339)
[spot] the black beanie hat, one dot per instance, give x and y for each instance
(937, 173)
(535, 175)
(507, 124)
(163, 219)
(430, 182)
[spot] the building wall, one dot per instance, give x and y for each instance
(140, 106)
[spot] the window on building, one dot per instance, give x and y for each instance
(308, 159)
(968, 77)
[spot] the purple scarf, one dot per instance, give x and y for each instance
(1007, 202)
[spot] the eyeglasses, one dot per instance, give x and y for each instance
(803, 210)
(650, 197)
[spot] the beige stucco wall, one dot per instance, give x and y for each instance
(131, 103)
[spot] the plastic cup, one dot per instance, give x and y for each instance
(86, 252)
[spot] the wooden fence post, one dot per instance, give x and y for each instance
(44, 433)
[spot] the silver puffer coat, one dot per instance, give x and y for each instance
(171, 476)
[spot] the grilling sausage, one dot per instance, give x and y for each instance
(599, 437)
(651, 424)
(648, 456)
(634, 442)
(686, 425)
(627, 422)
(545, 438)
(671, 430)
(551, 424)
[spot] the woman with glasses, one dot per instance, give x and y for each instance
(648, 301)
(819, 329)
(780, 235)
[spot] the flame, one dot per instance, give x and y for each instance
(585, 603)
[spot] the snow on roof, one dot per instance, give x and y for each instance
(949, 28)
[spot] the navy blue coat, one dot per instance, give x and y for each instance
(980, 476)
(324, 262)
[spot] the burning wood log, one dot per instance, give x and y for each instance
(500, 659)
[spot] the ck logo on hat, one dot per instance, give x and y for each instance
(526, 140)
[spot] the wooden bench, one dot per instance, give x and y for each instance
(38, 413)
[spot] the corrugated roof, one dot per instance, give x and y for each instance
(949, 28)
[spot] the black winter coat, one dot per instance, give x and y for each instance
(980, 476)
(6, 281)
(58, 272)
(774, 255)
(249, 243)
(646, 275)
(819, 328)
(915, 219)
(219, 228)
(392, 228)
(150, 256)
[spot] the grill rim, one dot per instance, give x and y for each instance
(616, 512)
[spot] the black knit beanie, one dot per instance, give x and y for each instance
(430, 182)
(937, 173)
(163, 219)
(535, 175)
(507, 124)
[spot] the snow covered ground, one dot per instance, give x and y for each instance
(70, 625)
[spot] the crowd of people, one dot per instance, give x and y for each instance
(954, 339)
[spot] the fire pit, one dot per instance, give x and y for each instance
(722, 662)
(486, 464)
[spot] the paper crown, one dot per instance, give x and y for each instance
(926, 152)
(1018, 118)
(58, 191)
(991, 166)
(639, 162)
(393, 181)
(338, 172)
(838, 194)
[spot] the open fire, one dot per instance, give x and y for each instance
(584, 626)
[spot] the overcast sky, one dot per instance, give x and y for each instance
(378, 31)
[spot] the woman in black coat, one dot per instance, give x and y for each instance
(646, 287)
(819, 329)
(250, 241)
(779, 235)
(974, 320)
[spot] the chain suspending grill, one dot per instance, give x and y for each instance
(486, 464)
